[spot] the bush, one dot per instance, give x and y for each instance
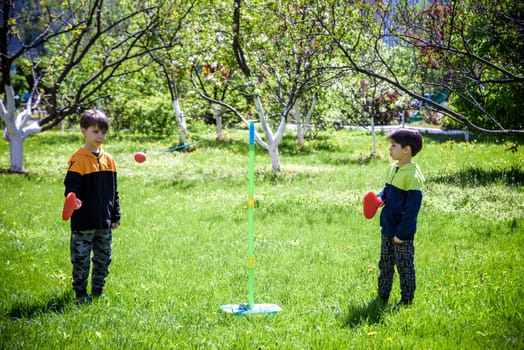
(153, 115)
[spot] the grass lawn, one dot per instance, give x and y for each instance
(181, 250)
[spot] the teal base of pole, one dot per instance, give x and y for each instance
(243, 309)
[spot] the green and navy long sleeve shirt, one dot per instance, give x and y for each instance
(402, 196)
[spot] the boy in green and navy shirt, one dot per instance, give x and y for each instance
(402, 197)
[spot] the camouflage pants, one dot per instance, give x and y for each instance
(81, 245)
(402, 256)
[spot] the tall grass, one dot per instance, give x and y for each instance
(181, 250)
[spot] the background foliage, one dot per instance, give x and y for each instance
(472, 49)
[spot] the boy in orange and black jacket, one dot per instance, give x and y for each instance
(92, 176)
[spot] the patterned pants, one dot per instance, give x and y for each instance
(81, 245)
(402, 256)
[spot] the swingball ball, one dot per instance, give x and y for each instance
(140, 157)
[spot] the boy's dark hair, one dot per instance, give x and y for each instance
(407, 137)
(93, 117)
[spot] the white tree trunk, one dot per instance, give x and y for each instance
(16, 153)
(181, 120)
(303, 124)
(374, 136)
(217, 114)
(275, 160)
(298, 121)
(307, 123)
(273, 140)
(17, 129)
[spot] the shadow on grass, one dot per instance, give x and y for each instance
(229, 145)
(287, 147)
(370, 313)
(9, 172)
(478, 138)
(441, 138)
(59, 138)
(56, 304)
(481, 177)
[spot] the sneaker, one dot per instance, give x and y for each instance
(97, 293)
(402, 303)
(82, 298)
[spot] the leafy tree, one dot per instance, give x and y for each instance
(86, 43)
(368, 102)
(215, 72)
(173, 34)
(215, 80)
(281, 56)
(459, 48)
(139, 102)
(487, 81)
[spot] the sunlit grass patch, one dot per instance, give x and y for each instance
(181, 250)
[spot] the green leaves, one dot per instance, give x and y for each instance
(290, 48)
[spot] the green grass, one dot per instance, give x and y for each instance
(181, 251)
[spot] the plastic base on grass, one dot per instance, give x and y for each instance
(243, 309)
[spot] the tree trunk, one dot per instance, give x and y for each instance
(275, 160)
(272, 140)
(16, 129)
(217, 114)
(298, 121)
(303, 125)
(374, 136)
(307, 123)
(181, 120)
(16, 153)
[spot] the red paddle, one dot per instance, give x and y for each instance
(371, 204)
(70, 204)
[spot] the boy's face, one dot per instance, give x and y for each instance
(397, 152)
(94, 137)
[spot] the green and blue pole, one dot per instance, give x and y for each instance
(251, 217)
(250, 307)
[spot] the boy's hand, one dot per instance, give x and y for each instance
(78, 204)
(71, 203)
(397, 240)
(114, 225)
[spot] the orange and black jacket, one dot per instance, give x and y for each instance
(93, 179)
